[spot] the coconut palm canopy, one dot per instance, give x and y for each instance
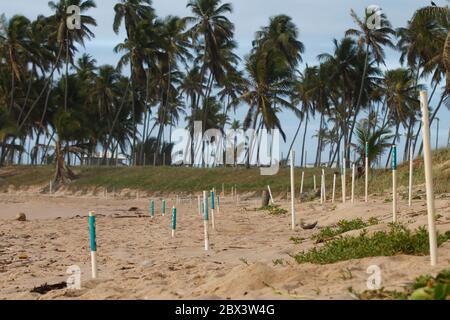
(61, 104)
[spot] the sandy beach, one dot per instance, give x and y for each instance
(138, 258)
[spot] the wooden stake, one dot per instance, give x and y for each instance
(429, 178)
(205, 220)
(394, 183)
(174, 221)
(292, 189)
(270, 194)
(93, 243)
(353, 182)
(212, 210)
(367, 174)
(301, 185)
(334, 188)
(324, 186)
(411, 167)
(344, 182)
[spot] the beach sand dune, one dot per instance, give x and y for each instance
(250, 256)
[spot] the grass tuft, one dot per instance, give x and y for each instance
(398, 240)
(343, 226)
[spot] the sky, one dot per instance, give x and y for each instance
(318, 21)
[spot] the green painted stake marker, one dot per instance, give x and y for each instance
(163, 207)
(205, 219)
(174, 221)
(93, 243)
(152, 209)
(394, 183)
(212, 210)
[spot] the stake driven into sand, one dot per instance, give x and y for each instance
(323, 186)
(411, 167)
(270, 194)
(353, 182)
(93, 243)
(152, 209)
(292, 189)
(163, 207)
(174, 221)
(218, 205)
(301, 184)
(367, 173)
(212, 210)
(205, 219)
(429, 177)
(199, 206)
(344, 173)
(334, 188)
(314, 182)
(394, 183)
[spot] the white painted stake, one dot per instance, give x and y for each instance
(292, 189)
(394, 183)
(270, 194)
(344, 174)
(213, 224)
(334, 188)
(324, 186)
(429, 178)
(301, 185)
(205, 220)
(353, 182)
(321, 188)
(51, 187)
(411, 167)
(315, 186)
(367, 174)
(93, 244)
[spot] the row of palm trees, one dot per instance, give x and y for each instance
(186, 68)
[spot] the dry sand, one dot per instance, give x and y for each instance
(138, 259)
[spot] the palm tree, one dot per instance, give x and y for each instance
(401, 99)
(212, 36)
(371, 42)
(134, 14)
(378, 142)
(441, 15)
(66, 38)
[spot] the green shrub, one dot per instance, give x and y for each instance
(398, 240)
(342, 226)
(274, 210)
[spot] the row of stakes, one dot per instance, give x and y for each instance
(203, 205)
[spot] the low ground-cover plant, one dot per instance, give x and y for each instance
(425, 287)
(274, 210)
(341, 227)
(397, 240)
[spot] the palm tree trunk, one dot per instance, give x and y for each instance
(295, 136)
(319, 141)
(304, 138)
(66, 88)
(393, 142)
